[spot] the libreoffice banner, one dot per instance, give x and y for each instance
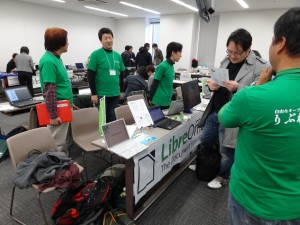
(157, 161)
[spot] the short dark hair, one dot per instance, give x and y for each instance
(14, 55)
(240, 37)
(288, 26)
(154, 45)
(55, 38)
(173, 47)
(127, 47)
(150, 68)
(142, 71)
(104, 30)
(24, 49)
(146, 45)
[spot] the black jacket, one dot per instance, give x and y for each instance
(143, 57)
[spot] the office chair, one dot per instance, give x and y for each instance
(32, 121)
(85, 129)
(136, 97)
(19, 147)
(124, 112)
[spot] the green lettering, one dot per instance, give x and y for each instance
(163, 156)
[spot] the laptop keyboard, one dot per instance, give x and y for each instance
(26, 102)
(168, 123)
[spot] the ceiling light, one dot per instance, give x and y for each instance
(185, 5)
(61, 1)
(139, 7)
(243, 4)
(106, 11)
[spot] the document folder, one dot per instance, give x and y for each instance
(63, 110)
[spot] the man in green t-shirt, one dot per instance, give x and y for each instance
(162, 87)
(55, 83)
(106, 74)
(265, 177)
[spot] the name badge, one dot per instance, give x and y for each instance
(112, 72)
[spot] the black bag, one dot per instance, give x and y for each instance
(83, 205)
(208, 162)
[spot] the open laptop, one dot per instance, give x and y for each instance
(19, 96)
(79, 67)
(118, 140)
(160, 120)
(175, 108)
(68, 67)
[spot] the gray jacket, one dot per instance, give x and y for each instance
(248, 74)
(24, 63)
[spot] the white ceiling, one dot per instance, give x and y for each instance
(162, 6)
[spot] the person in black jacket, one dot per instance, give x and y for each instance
(11, 65)
(136, 82)
(143, 57)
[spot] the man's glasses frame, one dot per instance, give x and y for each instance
(230, 53)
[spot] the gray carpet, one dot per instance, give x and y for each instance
(187, 201)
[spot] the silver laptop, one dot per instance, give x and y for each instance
(19, 96)
(175, 108)
(118, 140)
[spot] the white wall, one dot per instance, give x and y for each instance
(258, 23)
(181, 28)
(24, 24)
(130, 32)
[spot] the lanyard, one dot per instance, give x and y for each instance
(108, 59)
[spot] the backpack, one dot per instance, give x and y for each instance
(208, 162)
(85, 203)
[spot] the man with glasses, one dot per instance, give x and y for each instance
(244, 68)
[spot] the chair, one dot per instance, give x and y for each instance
(124, 112)
(19, 146)
(141, 92)
(33, 120)
(85, 129)
(136, 97)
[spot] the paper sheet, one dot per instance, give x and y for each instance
(218, 75)
(140, 113)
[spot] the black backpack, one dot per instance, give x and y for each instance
(208, 162)
(83, 205)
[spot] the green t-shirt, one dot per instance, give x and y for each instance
(165, 74)
(52, 70)
(265, 177)
(108, 66)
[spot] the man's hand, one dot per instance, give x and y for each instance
(231, 85)
(55, 122)
(94, 99)
(212, 85)
(265, 76)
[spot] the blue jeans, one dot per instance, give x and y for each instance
(239, 216)
(110, 104)
(211, 131)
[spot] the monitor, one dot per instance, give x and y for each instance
(190, 95)
(79, 66)
(68, 67)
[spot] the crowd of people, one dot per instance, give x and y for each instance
(254, 118)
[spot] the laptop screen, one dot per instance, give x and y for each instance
(79, 66)
(156, 114)
(115, 132)
(17, 93)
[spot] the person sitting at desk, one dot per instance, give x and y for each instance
(150, 72)
(162, 87)
(136, 82)
(11, 65)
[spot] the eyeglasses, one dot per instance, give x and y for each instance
(230, 53)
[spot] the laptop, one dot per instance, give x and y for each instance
(160, 120)
(175, 108)
(79, 66)
(118, 140)
(68, 67)
(19, 96)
